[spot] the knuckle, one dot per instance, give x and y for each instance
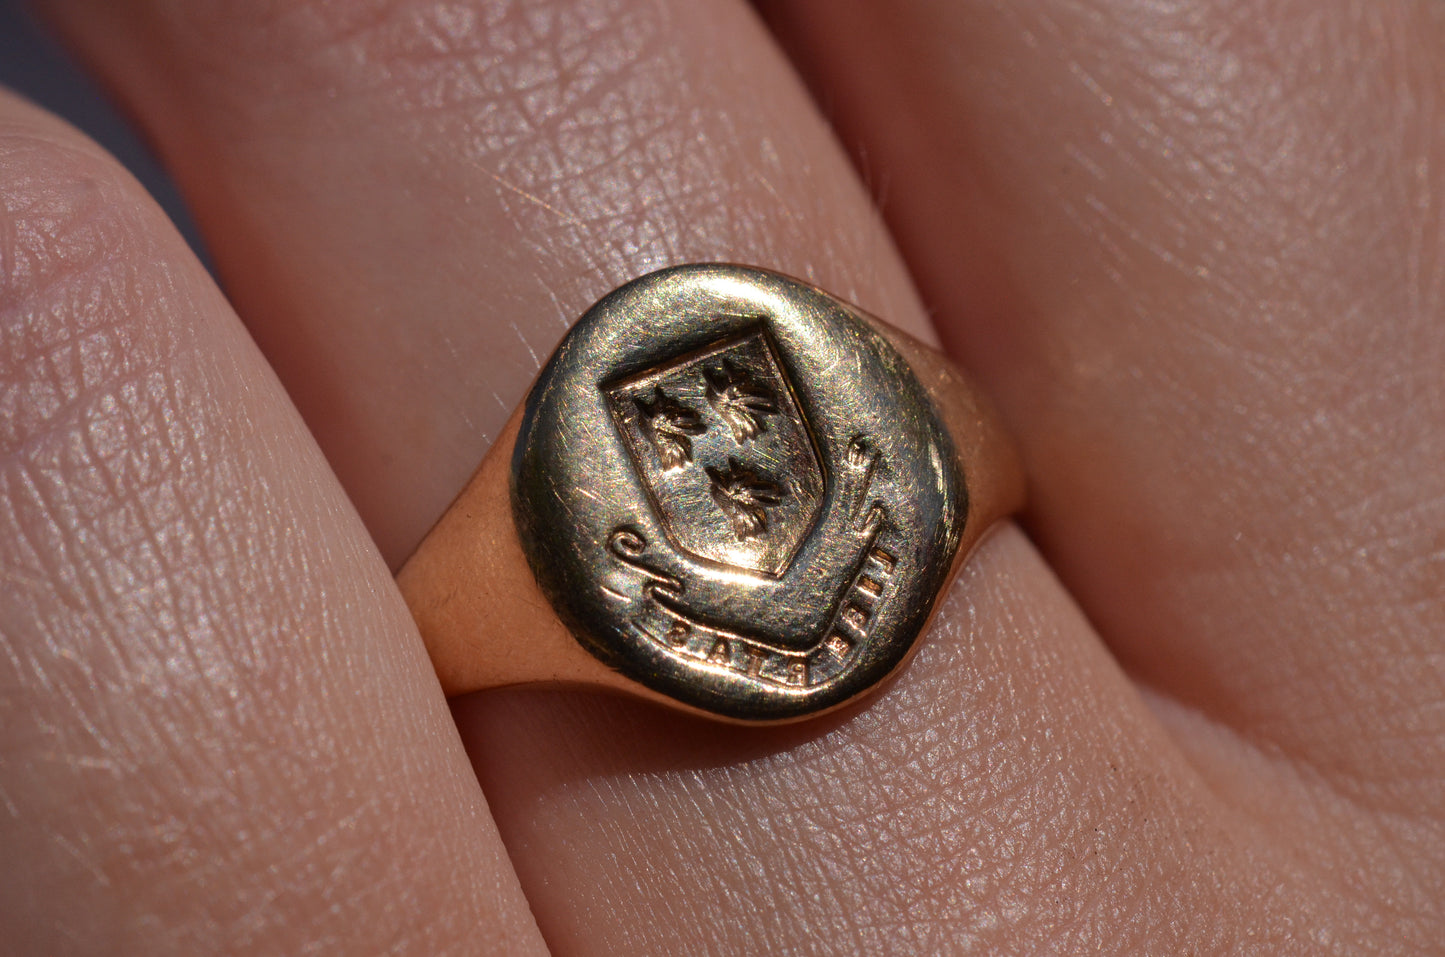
(509, 68)
(94, 428)
(80, 268)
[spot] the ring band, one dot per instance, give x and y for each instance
(727, 491)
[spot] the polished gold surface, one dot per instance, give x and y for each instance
(734, 490)
(728, 491)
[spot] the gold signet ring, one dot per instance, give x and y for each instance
(728, 492)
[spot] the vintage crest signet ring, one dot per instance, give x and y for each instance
(727, 491)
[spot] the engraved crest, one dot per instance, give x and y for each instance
(734, 491)
(725, 453)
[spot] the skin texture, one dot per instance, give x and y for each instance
(218, 728)
(1191, 249)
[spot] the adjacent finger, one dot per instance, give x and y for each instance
(218, 731)
(1195, 252)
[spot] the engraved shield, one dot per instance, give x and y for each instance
(725, 453)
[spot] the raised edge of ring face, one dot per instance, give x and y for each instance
(733, 490)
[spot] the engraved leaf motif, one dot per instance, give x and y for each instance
(744, 497)
(741, 400)
(670, 424)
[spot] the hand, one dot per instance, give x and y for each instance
(1194, 252)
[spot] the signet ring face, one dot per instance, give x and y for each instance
(733, 490)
